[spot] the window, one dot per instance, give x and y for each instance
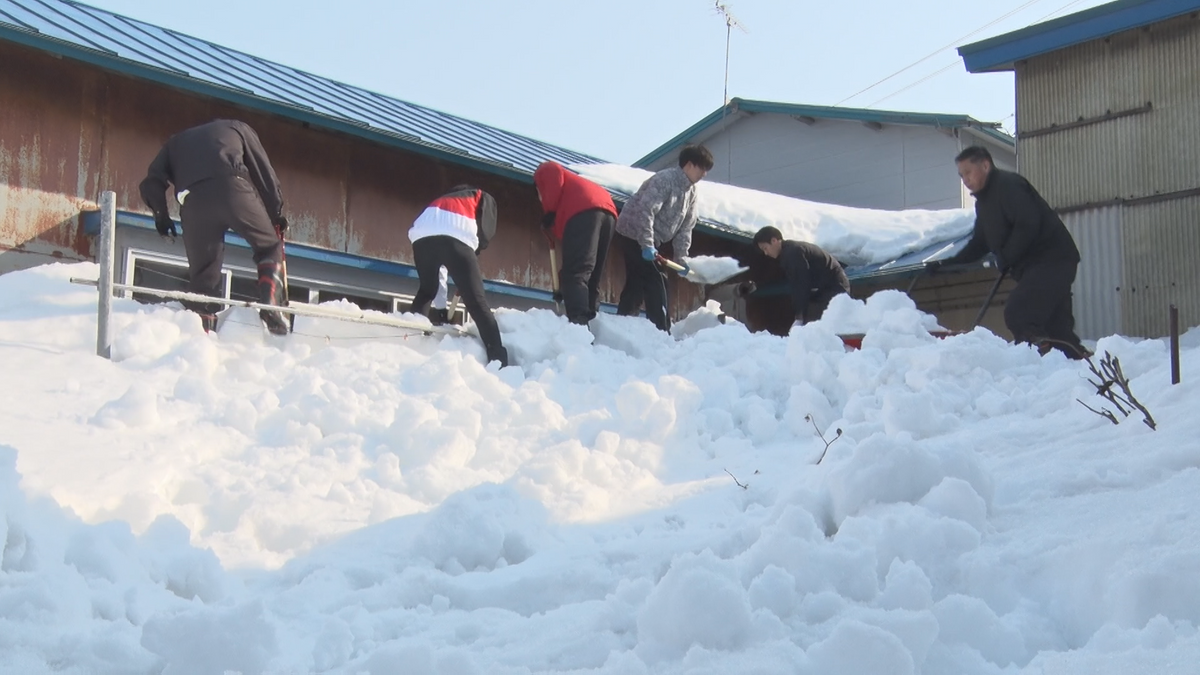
(170, 273)
(377, 303)
(166, 273)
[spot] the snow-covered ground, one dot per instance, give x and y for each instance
(350, 500)
(854, 236)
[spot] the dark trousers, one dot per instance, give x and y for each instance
(643, 283)
(585, 243)
(431, 253)
(819, 301)
(210, 209)
(1039, 308)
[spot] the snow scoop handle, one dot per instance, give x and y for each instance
(557, 296)
(669, 264)
(991, 294)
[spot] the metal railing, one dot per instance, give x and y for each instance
(107, 286)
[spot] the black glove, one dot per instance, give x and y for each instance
(281, 224)
(164, 225)
(745, 288)
(934, 266)
(548, 219)
(557, 296)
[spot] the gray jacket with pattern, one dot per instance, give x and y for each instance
(664, 209)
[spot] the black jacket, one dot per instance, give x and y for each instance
(221, 148)
(1017, 225)
(809, 268)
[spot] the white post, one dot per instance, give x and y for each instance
(106, 258)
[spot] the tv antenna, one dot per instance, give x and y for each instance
(731, 22)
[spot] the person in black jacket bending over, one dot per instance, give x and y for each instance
(223, 181)
(1031, 243)
(451, 232)
(814, 275)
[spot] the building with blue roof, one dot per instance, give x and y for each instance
(89, 96)
(860, 157)
(1108, 130)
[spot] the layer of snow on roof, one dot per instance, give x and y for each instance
(855, 236)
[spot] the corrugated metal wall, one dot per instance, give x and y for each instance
(1143, 154)
(1162, 263)
(1100, 281)
(1140, 89)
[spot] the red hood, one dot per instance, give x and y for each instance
(549, 178)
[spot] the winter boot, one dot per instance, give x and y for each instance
(270, 292)
(498, 353)
(439, 317)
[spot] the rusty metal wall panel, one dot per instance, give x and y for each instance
(48, 139)
(1129, 157)
(70, 131)
(1161, 243)
(1100, 280)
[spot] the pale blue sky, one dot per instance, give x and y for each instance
(616, 79)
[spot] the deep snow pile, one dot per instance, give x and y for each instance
(342, 501)
(855, 236)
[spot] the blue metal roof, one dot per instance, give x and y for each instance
(738, 105)
(141, 50)
(910, 263)
(1002, 52)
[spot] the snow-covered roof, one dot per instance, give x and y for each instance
(855, 236)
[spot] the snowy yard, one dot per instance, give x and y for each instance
(352, 500)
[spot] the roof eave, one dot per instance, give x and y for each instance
(737, 107)
(1001, 53)
(688, 134)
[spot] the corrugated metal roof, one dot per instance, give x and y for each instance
(914, 263)
(736, 106)
(145, 51)
(1001, 52)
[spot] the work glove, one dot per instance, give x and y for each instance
(165, 226)
(649, 253)
(281, 224)
(685, 271)
(934, 266)
(745, 288)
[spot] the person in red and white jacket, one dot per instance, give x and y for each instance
(451, 232)
(581, 215)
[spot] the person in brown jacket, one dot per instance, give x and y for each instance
(223, 181)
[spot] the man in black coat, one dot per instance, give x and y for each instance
(223, 181)
(1030, 242)
(813, 275)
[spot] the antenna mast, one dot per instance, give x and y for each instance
(731, 22)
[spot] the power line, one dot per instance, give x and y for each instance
(923, 79)
(940, 50)
(955, 63)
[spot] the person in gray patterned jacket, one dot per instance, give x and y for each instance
(663, 210)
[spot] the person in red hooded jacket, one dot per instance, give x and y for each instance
(581, 215)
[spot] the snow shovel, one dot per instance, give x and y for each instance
(558, 299)
(988, 302)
